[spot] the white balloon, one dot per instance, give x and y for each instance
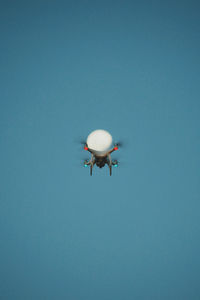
(99, 140)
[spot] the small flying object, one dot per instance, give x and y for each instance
(99, 144)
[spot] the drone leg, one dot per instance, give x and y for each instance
(110, 167)
(91, 166)
(90, 161)
(110, 164)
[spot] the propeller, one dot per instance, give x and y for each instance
(122, 143)
(86, 162)
(84, 144)
(80, 141)
(115, 163)
(119, 144)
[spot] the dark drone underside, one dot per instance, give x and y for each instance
(101, 160)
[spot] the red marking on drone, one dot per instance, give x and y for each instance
(115, 148)
(86, 148)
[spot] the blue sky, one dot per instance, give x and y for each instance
(68, 68)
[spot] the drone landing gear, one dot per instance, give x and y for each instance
(110, 167)
(110, 164)
(91, 166)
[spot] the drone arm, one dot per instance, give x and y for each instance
(113, 149)
(90, 151)
(91, 161)
(87, 148)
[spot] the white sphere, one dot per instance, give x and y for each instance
(99, 140)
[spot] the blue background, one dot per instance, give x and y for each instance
(68, 68)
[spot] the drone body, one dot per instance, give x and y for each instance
(99, 145)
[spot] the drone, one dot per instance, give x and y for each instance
(97, 144)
